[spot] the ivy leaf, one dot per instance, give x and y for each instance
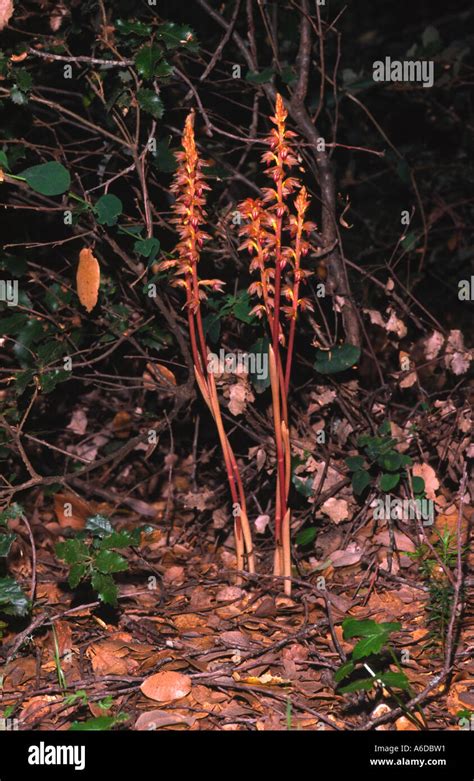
(13, 601)
(105, 587)
(108, 209)
(336, 360)
(360, 480)
(389, 481)
(108, 561)
(150, 102)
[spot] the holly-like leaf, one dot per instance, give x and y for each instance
(150, 102)
(77, 573)
(72, 551)
(147, 59)
(99, 525)
(363, 684)
(107, 562)
(13, 601)
(48, 178)
(105, 587)
(6, 541)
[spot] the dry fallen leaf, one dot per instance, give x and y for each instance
(428, 474)
(166, 686)
(71, 510)
(6, 12)
(87, 279)
(155, 719)
(336, 509)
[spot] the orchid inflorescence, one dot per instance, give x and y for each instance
(277, 263)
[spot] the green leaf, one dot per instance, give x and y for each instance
(306, 536)
(363, 684)
(72, 551)
(108, 209)
(13, 601)
(354, 463)
(242, 306)
(120, 539)
(391, 461)
(164, 158)
(262, 77)
(99, 723)
(48, 178)
(303, 486)
(261, 379)
(4, 161)
(360, 480)
(374, 635)
(147, 248)
(127, 27)
(99, 525)
(418, 485)
(389, 481)
(6, 541)
(174, 35)
(108, 561)
(354, 627)
(396, 680)
(150, 102)
(336, 360)
(344, 671)
(22, 380)
(147, 59)
(288, 75)
(48, 352)
(76, 573)
(51, 379)
(10, 513)
(105, 587)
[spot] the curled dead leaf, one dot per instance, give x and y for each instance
(88, 279)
